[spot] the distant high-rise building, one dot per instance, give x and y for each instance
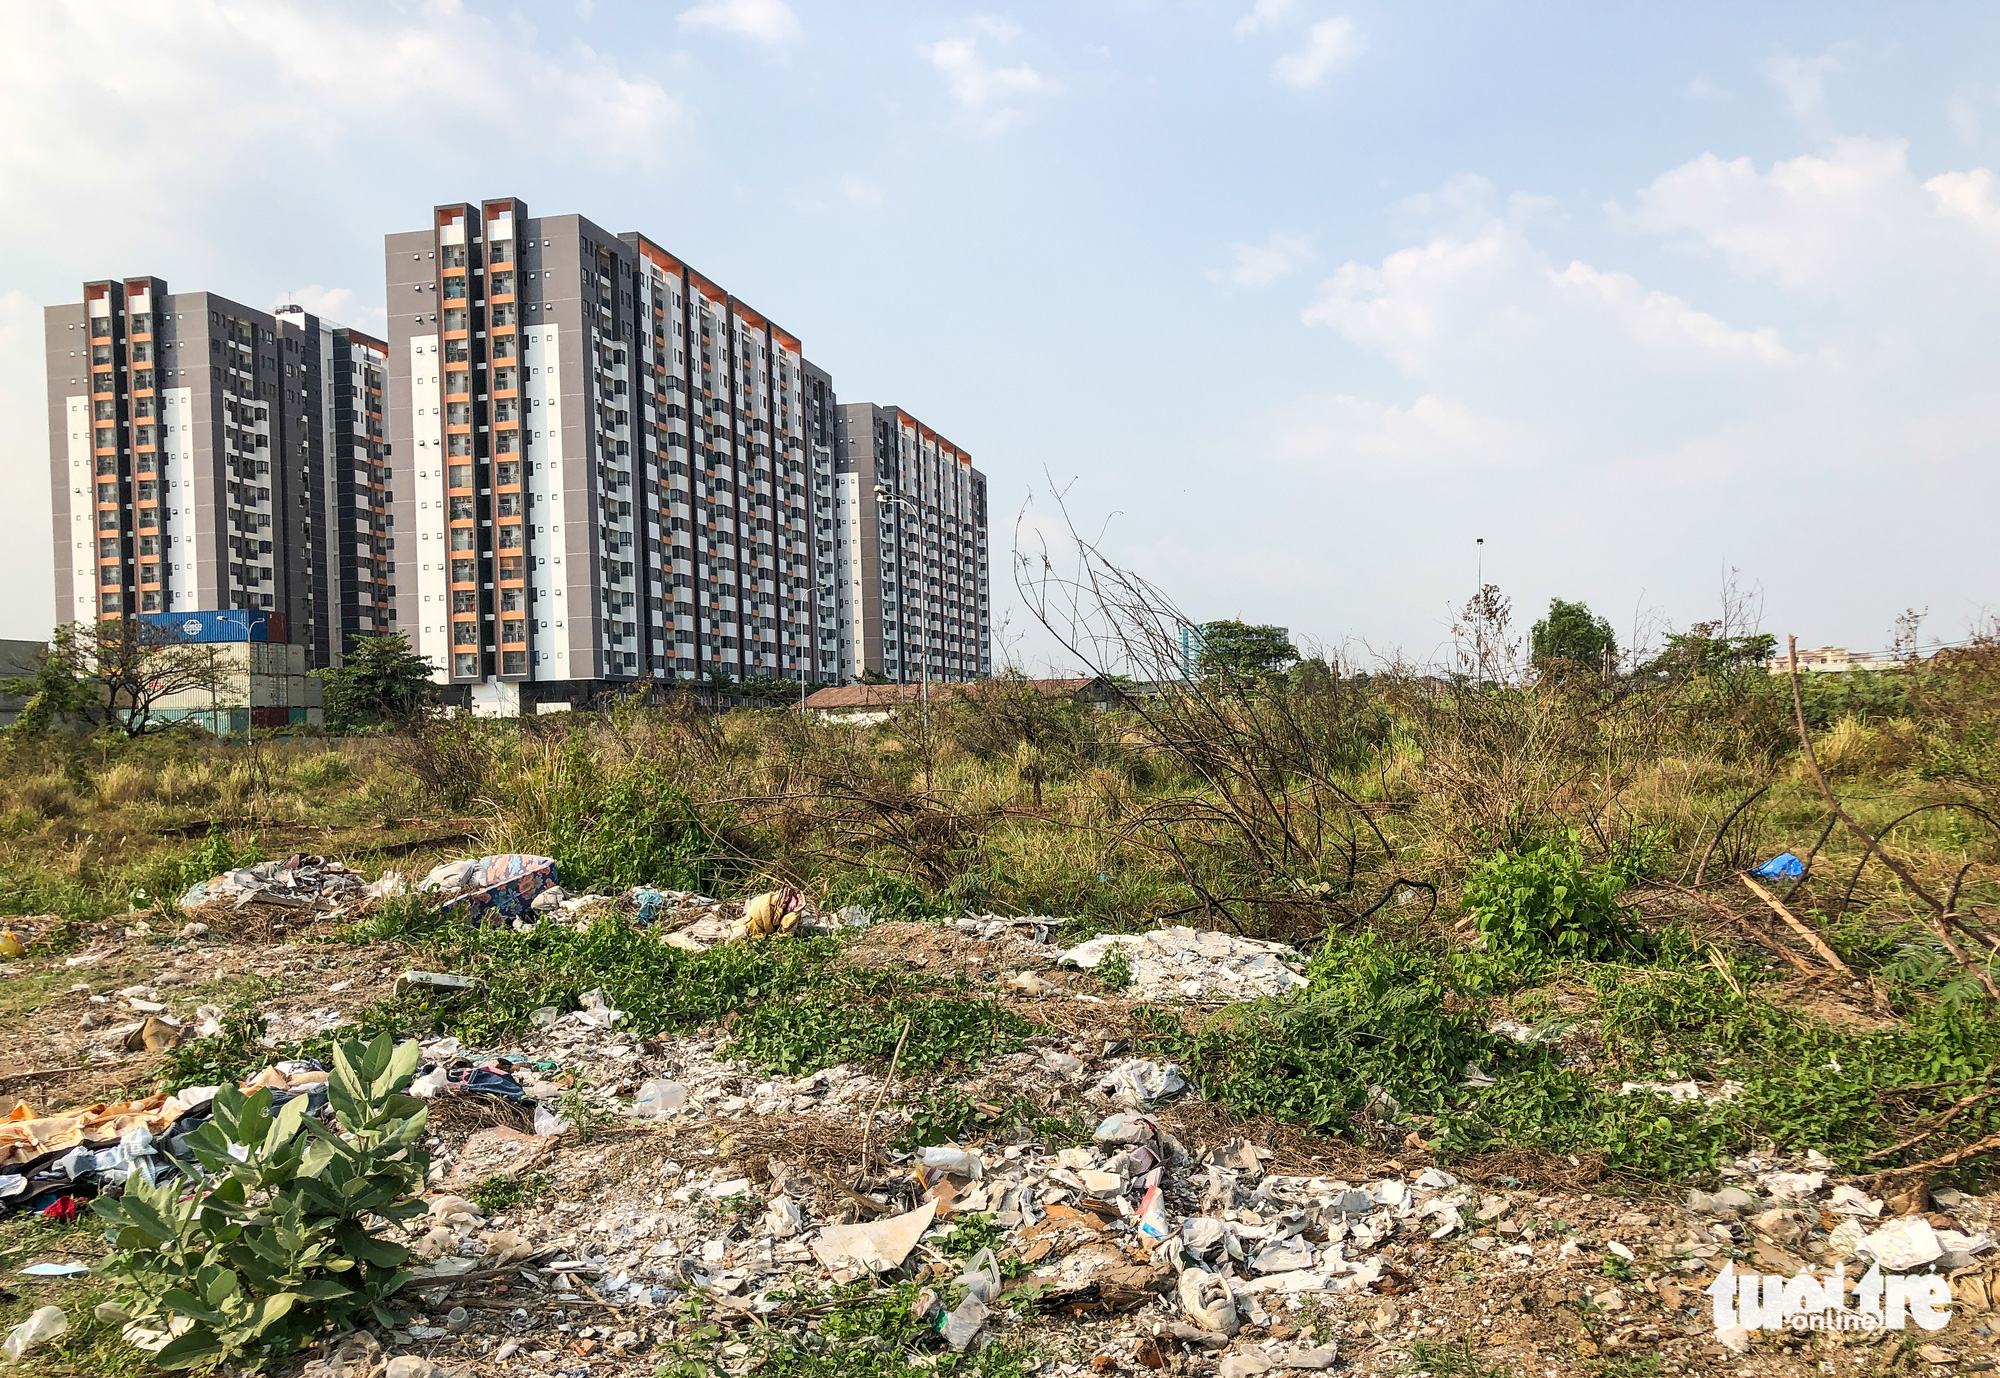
(206, 455)
(910, 575)
(610, 458)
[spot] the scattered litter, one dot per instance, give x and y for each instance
(658, 1099)
(435, 980)
(56, 1270)
(1138, 1084)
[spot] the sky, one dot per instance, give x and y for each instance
(1312, 313)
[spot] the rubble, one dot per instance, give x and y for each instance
(1199, 965)
(297, 882)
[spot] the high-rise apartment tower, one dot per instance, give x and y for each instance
(911, 594)
(206, 455)
(610, 456)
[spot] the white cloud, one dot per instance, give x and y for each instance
(340, 305)
(1968, 195)
(1265, 14)
(1259, 265)
(331, 123)
(766, 21)
(1491, 308)
(1330, 44)
(860, 191)
(1802, 82)
(1853, 225)
(988, 93)
(1611, 438)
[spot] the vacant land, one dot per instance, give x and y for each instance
(1532, 963)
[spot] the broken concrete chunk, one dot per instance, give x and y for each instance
(1205, 1297)
(875, 1247)
(1904, 1243)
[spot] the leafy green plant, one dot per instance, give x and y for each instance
(1543, 901)
(1114, 969)
(496, 1194)
(890, 898)
(282, 1242)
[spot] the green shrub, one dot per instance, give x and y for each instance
(629, 827)
(323, 769)
(890, 898)
(281, 1243)
(1543, 902)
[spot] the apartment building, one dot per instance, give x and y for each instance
(610, 462)
(197, 462)
(912, 599)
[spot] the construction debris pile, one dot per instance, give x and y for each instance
(1197, 964)
(297, 882)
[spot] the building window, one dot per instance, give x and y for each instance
(465, 633)
(454, 319)
(457, 381)
(461, 571)
(460, 475)
(513, 629)
(107, 575)
(513, 567)
(149, 602)
(464, 600)
(513, 662)
(465, 666)
(507, 473)
(112, 602)
(461, 511)
(510, 538)
(461, 536)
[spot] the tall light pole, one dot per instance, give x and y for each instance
(885, 498)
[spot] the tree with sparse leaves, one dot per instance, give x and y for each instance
(117, 673)
(381, 681)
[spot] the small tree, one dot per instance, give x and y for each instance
(381, 681)
(1572, 635)
(871, 675)
(119, 672)
(1238, 648)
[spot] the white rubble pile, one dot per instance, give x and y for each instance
(1197, 964)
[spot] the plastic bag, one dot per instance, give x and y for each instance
(959, 1162)
(548, 1124)
(981, 1277)
(47, 1323)
(659, 1098)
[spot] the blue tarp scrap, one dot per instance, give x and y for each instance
(1783, 866)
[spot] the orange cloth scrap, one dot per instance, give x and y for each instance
(25, 1136)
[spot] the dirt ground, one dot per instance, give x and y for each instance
(628, 1237)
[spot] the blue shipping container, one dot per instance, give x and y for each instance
(231, 624)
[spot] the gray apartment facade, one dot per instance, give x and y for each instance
(911, 591)
(610, 463)
(207, 455)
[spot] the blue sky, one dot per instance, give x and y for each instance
(1294, 299)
